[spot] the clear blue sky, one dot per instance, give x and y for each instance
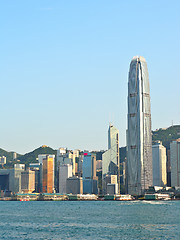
(64, 69)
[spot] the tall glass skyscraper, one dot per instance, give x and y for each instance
(110, 159)
(139, 137)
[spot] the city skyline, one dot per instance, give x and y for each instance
(64, 69)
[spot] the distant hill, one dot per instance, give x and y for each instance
(26, 158)
(166, 135)
(9, 157)
(31, 156)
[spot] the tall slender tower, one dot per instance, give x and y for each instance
(139, 137)
(110, 159)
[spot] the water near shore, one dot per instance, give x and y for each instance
(90, 220)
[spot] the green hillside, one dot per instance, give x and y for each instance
(26, 158)
(166, 135)
(9, 158)
(8, 155)
(31, 156)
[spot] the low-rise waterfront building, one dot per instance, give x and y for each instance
(112, 189)
(74, 185)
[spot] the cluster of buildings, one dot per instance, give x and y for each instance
(69, 172)
(77, 172)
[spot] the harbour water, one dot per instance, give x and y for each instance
(90, 220)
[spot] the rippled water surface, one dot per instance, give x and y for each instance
(90, 220)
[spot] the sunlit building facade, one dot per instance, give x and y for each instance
(47, 174)
(159, 164)
(139, 137)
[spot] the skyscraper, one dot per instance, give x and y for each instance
(65, 172)
(46, 173)
(139, 138)
(159, 164)
(175, 162)
(110, 159)
(89, 173)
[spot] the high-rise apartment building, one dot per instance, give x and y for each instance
(159, 164)
(139, 138)
(110, 159)
(175, 162)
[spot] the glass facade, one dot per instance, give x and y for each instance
(110, 159)
(89, 173)
(139, 138)
(48, 174)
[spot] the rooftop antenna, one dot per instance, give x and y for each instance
(110, 119)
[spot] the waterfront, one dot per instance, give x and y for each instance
(90, 220)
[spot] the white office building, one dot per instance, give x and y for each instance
(159, 164)
(175, 163)
(65, 172)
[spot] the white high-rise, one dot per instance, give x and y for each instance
(159, 164)
(139, 137)
(65, 172)
(175, 162)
